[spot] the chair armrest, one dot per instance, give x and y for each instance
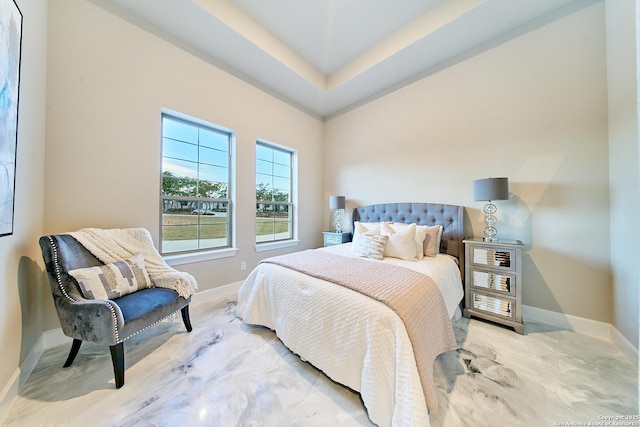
(97, 321)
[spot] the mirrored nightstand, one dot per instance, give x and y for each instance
(493, 281)
(332, 238)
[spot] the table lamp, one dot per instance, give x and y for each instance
(337, 203)
(490, 189)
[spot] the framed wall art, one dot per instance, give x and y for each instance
(10, 47)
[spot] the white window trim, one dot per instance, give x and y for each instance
(190, 258)
(270, 246)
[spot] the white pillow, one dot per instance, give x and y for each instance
(360, 228)
(421, 234)
(372, 246)
(401, 243)
(432, 241)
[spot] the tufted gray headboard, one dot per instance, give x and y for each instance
(451, 217)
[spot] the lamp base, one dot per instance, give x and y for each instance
(338, 220)
(489, 221)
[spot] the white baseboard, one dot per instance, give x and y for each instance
(48, 339)
(229, 291)
(567, 322)
(9, 394)
(629, 350)
(595, 328)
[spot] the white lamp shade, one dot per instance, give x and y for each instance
(336, 202)
(491, 189)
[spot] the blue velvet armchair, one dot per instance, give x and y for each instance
(108, 322)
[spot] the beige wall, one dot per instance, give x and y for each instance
(622, 55)
(21, 285)
(534, 110)
(107, 83)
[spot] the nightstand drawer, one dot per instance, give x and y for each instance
(332, 238)
(494, 281)
(498, 258)
(494, 305)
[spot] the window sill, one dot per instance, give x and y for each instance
(181, 259)
(262, 247)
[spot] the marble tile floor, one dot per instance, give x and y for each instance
(226, 373)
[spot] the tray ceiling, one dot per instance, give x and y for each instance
(329, 56)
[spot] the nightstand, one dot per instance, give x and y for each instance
(332, 238)
(493, 281)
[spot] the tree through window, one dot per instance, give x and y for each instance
(196, 167)
(274, 187)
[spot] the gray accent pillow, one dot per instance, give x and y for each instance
(432, 240)
(113, 280)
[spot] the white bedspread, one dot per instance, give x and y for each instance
(355, 340)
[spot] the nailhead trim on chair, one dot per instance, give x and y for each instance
(147, 327)
(64, 291)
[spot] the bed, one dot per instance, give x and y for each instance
(356, 340)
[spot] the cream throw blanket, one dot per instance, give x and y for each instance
(111, 245)
(413, 296)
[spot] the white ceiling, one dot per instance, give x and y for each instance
(329, 56)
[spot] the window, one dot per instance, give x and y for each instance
(274, 190)
(196, 167)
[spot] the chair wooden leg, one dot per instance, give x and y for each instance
(185, 318)
(117, 358)
(73, 353)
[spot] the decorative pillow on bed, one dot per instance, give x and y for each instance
(372, 246)
(401, 243)
(421, 234)
(432, 241)
(360, 228)
(113, 280)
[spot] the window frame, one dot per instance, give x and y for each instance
(200, 254)
(293, 198)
